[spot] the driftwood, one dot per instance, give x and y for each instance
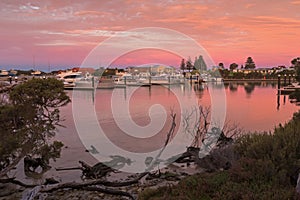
(17, 182)
(94, 186)
(31, 164)
(68, 168)
(220, 158)
(99, 170)
(223, 140)
(13, 164)
(94, 182)
(188, 156)
(48, 181)
(108, 191)
(165, 175)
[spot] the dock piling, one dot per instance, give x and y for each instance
(284, 83)
(278, 84)
(93, 82)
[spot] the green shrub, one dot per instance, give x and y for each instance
(266, 167)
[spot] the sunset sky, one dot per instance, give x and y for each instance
(62, 33)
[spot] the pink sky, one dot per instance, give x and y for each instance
(63, 33)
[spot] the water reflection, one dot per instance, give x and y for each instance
(201, 91)
(133, 120)
(278, 102)
(233, 87)
(249, 87)
(260, 111)
(254, 106)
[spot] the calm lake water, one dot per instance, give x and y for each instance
(143, 114)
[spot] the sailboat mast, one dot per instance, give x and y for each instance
(33, 62)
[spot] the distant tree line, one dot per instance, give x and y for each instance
(232, 73)
(296, 64)
(199, 64)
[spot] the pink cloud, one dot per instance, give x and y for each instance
(67, 32)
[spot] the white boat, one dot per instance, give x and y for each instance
(167, 79)
(13, 72)
(4, 73)
(70, 77)
(130, 80)
(36, 73)
(160, 79)
(144, 79)
(76, 79)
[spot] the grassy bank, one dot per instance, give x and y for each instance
(267, 168)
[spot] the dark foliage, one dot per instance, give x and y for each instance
(28, 120)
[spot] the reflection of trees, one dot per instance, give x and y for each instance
(249, 87)
(28, 121)
(233, 87)
(198, 90)
(274, 85)
(296, 63)
(226, 85)
(217, 85)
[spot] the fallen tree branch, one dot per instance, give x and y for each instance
(94, 182)
(17, 182)
(11, 165)
(107, 191)
(68, 168)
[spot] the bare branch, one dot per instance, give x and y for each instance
(17, 182)
(94, 182)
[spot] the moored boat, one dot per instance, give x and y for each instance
(76, 80)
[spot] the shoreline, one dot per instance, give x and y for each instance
(250, 80)
(170, 175)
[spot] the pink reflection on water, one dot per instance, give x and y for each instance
(254, 106)
(140, 103)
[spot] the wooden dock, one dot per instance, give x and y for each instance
(289, 89)
(79, 88)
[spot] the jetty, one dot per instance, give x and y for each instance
(289, 89)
